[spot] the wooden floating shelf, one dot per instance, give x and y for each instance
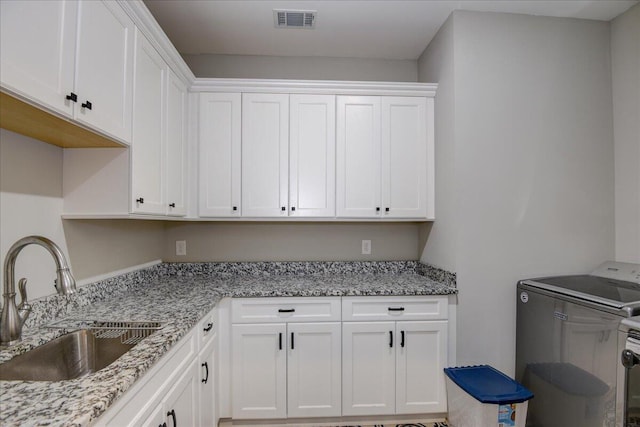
(23, 118)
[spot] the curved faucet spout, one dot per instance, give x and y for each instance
(13, 317)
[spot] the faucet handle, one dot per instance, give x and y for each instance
(22, 287)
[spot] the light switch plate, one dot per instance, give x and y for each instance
(366, 247)
(181, 247)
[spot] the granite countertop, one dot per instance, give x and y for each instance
(178, 296)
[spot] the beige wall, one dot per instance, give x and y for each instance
(531, 179)
(219, 241)
(625, 67)
(303, 68)
(31, 203)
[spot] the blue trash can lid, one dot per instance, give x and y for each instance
(488, 385)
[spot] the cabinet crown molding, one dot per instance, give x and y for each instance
(333, 87)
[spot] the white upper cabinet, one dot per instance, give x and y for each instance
(37, 50)
(312, 155)
(265, 155)
(75, 58)
(404, 157)
(219, 154)
(147, 162)
(358, 156)
(382, 157)
(104, 61)
(176, 146)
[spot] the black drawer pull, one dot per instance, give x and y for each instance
(72, 97)
(396, 308)
(386, 209)
(235, 208)
(280, 341)
(391, 339)
(377, 208)
(208, 327)
(172, 205)
(283, 209)
(205, 365)
(401, 338)
(293, 209)
(292, 346)
(140, 200)
(86, 105)
(172, 413)
(286, 310)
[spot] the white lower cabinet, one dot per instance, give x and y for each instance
(179, 407)
(286, 370)
(179, 390)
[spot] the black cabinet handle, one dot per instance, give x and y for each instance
(386, 209)
(172, 205)
(280, 341)
(292, 346)
(72, 97)
(391, 339)
(208, 327)
(283, 209)
(377, 208)
(205, 365)
(87, 105)
(163, 425)
(286, 310)
(140, 200)
(396, 309)
(173, 415)
(401, 338)
(235, 208)
(293, 208)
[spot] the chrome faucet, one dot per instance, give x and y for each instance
(13, 316)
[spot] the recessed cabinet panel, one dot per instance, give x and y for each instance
(219, 154)
(37, 50)
(176, 152)
(404, 154)
(358, 156)
(312, 155)
(421, 358)
(265, 154)
(147, 163)
(259, 371)
(314, 370)
(368, 368)
(103, 67)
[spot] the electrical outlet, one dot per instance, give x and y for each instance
(366, 247)
(181, 247)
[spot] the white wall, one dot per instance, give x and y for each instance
(303, 68)
(31, 203)
(625, 68)
(533, 163)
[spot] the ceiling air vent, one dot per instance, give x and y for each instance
(295, 18)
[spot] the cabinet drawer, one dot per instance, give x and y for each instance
(207, 328)
(270, 310)
(394, 308)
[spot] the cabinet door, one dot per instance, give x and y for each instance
(259, 376)
(421, 358)
(313, 370)
(404, 157)
(207, 383)
(147, 162)
(37, 50)
(219, 154)
(104, 67)
(176, 152)
(368, 368)
(312, 144)
(358, 156)
(265, 155)
(181, 402)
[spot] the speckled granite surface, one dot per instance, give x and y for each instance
(178, 295)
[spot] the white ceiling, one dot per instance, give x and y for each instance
(388, 29)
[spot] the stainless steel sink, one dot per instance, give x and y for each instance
(73, 355)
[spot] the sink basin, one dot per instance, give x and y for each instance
(72, 355)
